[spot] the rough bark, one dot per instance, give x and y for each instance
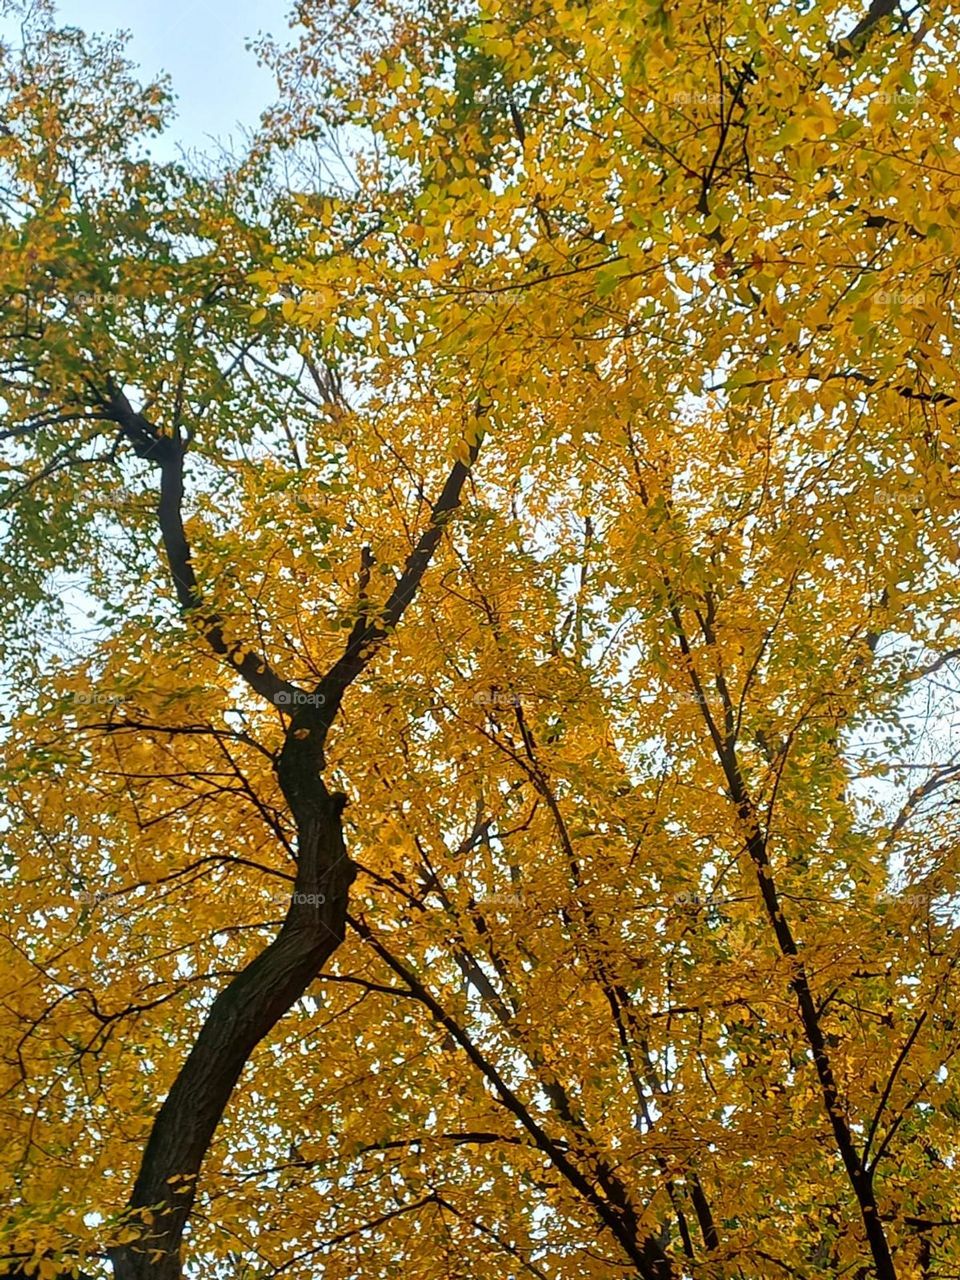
(243, 1013)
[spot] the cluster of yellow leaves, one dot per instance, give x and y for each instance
(690, 274)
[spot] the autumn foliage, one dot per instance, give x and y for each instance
(482, 652)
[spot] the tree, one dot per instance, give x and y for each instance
(509, 828)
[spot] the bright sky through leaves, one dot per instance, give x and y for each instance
(506, 819)
(202, 46)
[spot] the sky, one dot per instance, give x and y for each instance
(200, 43)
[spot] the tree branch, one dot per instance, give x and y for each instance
(167, 454)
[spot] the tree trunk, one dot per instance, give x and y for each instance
(243, 1013)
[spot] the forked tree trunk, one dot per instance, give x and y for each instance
(265, 990)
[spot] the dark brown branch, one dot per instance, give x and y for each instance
(859, 1175)
(646, 1254)
(244, 1012)
(857, 36)
(368, 634)
(167, 454)
(891, 1080)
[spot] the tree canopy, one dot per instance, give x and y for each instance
(482, 642)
